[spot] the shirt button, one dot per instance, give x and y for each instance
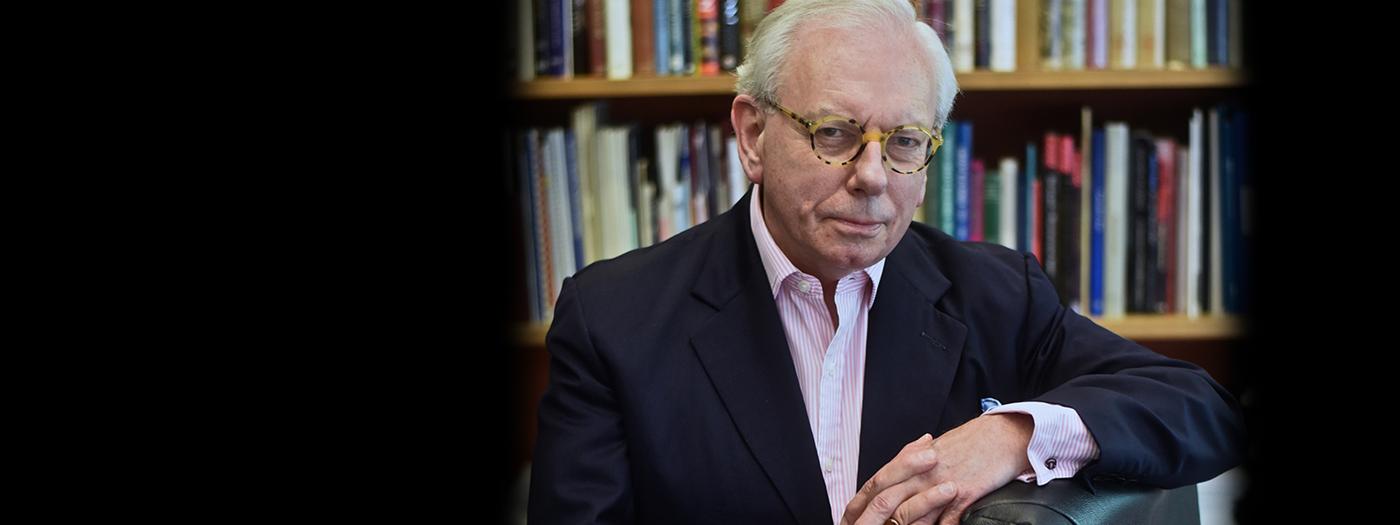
(828, 466)
(804, 286)
(1050, 463)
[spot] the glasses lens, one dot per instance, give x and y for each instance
(836, 140)
(909, 149)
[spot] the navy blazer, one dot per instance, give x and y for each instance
(672, 396)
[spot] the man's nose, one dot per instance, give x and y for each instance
(870, 175)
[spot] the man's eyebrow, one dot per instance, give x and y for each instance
(905, 118)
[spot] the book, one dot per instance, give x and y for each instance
(1002, 29)
(729, 29)
(1010, 173)
(618, 23)
(1096, 235)
(643, 38)
(963, 182)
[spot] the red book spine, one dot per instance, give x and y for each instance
(597, 57)
(708, 10)
(1166, 215)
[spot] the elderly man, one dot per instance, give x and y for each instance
(811, 356)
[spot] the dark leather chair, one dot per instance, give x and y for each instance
(1069, 502)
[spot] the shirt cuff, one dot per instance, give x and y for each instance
(1060, 443)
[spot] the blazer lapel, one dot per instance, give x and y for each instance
(745, 354)
(911, 355)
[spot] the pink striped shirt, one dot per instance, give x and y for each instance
(830, 364)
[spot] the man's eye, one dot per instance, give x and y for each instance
(832, 133)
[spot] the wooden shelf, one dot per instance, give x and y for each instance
(587, 88)
(1135, 327)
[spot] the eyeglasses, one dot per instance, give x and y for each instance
(839, 140)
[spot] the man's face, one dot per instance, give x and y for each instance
(832, 220)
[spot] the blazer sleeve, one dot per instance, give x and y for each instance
(1156, 420)
(580, 470)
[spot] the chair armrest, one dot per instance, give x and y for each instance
(1069, 502)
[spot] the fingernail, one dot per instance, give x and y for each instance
(927, 436)
(947, 489)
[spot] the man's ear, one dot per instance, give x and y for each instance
(747, 118)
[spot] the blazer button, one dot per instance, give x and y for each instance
(1050, 463)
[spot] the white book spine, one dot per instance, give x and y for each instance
(1003, 13)
(666, 173)
(617, 16)
(1076, 40)
(1198, 34)
(560, 224)
(1100, 29)
(1130, 38)
(1193, 218)
(585, 126)
(1116, 222)
(1051, 11)
(964, 24)
(1009, 175)
(646, 207)
(1159, 34)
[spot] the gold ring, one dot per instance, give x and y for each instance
(892, 521)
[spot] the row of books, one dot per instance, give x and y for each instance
(588, 192)
(1123, 221)
(619, 39)
(1139, 34)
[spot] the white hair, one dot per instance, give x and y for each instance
(771, 43)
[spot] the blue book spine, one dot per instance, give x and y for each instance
(661, 30)
(1023, 200)
(556, 36)
(1222, 33)
(532, 244)
(1229, 212)
(1245, 237)
(575, 207)
(1097, 213)
(962, 221)
(687, 18)
(674, 35)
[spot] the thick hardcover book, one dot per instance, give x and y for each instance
(1151, 266)
(729, 49)
(1096, 232)
(708, 13)
(643, 38)
(661, 33)
(1138, 224)
(1051, 220)
(983, 55)
(1070, 239)
(1166, 222)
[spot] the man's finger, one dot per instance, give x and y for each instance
(916, 458)
(925, 506)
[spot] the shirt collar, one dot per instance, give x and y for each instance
(775, 262)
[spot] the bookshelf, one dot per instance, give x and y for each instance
(591, 88)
